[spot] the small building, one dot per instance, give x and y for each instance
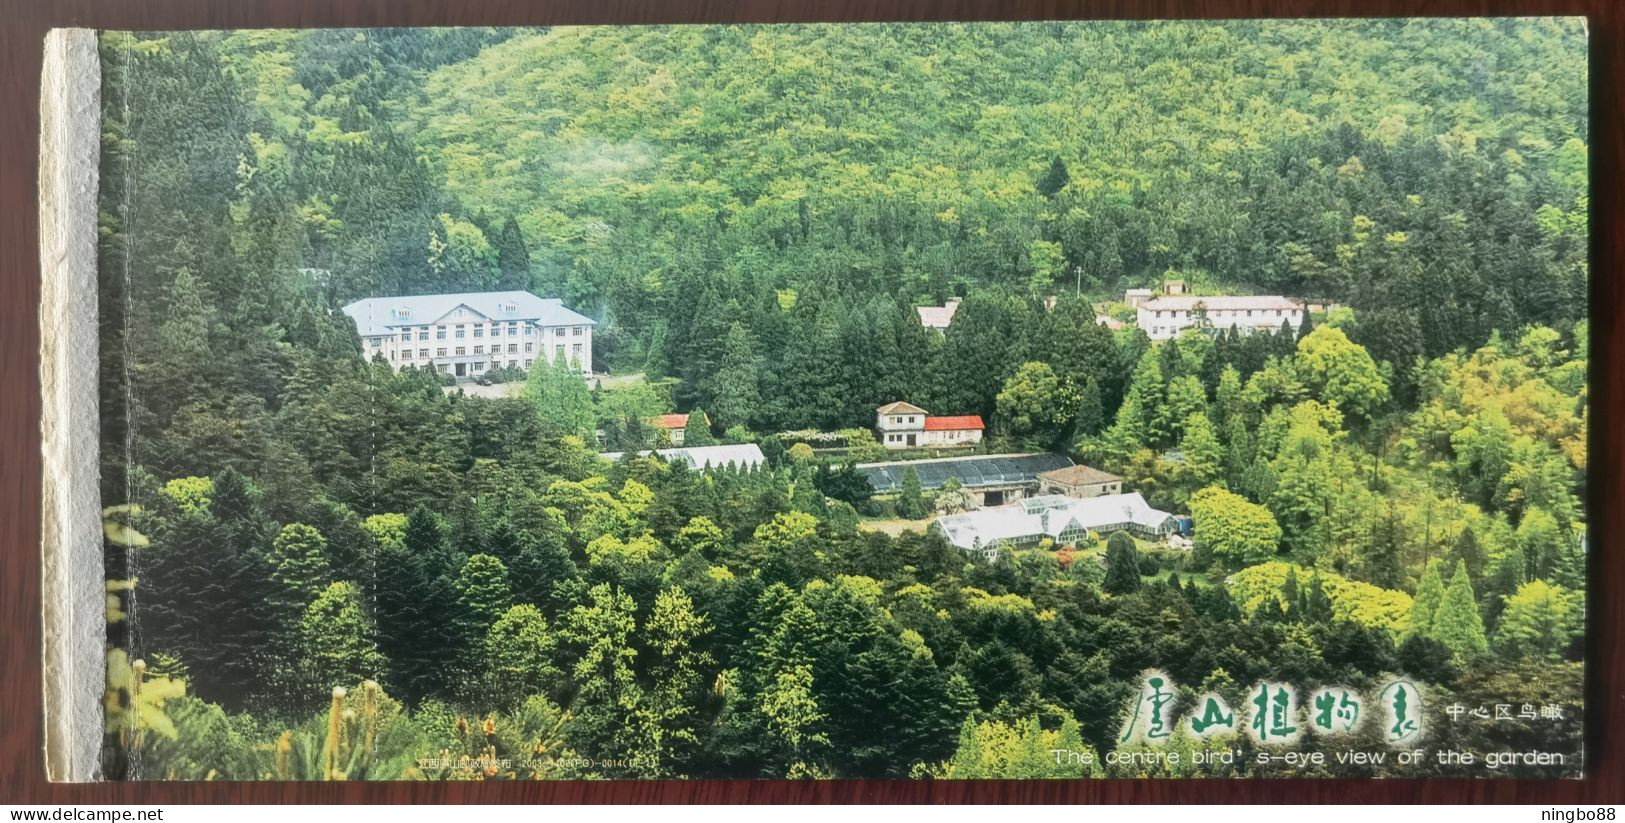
(900, 425)
(907, 426)
(989, 479)
(1079, 481)
(938, 317)
(953, 430)
(1063, 520)
(674, 425)
(746, 456)
(1110, 322)
(1134, 297)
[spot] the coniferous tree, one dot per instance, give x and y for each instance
(697, 431)
(1425, 605)
(336, 643)
(1054, 179)
(1456, 623)
(1122, 564)
(483, 591)
(910, 499)
(736, 397)
(513, 259)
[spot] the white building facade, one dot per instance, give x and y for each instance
(467, 335)
(1063, 520)
(1163, 318)
(907, 426)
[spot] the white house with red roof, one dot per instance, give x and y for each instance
(674, 425)
(907, 426)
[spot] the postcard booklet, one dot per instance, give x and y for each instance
(937, 401)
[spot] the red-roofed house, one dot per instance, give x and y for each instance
(906, 426)
(673, 425)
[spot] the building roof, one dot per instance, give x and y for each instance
(1109, 322)
(670, 421)
(1221, 303)
(743, 455)
(381, 315)
(901, 408)
(972, 471)
(1079, 475)
(937, 317)
(941, 423)
(1048, 516)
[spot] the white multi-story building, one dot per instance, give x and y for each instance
(1164, 317)
(467, 335)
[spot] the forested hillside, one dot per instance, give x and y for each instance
(752, 214)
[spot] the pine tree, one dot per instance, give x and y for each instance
(1424, 606)
(1091, 416)
(299, 563)
(1456, 623)
(336, 642)
(736, 392)
(513, 259)
(676, 634)
(910, 499)
(1122, 564)
(517, 657)
(1204, 456)
(697, 431)
(421, 622)
(482, 589)
(609, 710)
(1054, 179)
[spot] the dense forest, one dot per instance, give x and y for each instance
(328, 569)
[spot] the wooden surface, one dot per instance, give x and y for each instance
(23, 24)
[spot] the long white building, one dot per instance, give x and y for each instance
(1164, 317)
(466, 335)
(1064, 520)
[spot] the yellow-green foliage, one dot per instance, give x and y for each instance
(610, 548)
(1011, 603)
(991, 749)
(387, 530)
(190, 494)
(1352, 600)
(134, 702)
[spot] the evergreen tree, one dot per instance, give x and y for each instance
(299, 562)
(482, 589)
(910, 499)
(1091, 417)
(609, 714)
(1456, 623)
(1424, 606)
(677, 700)
(736, 393)
(336, 645)
(518, 656)
(513, 259)
(1054, 179)
(697, 431)
(1122, 564)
